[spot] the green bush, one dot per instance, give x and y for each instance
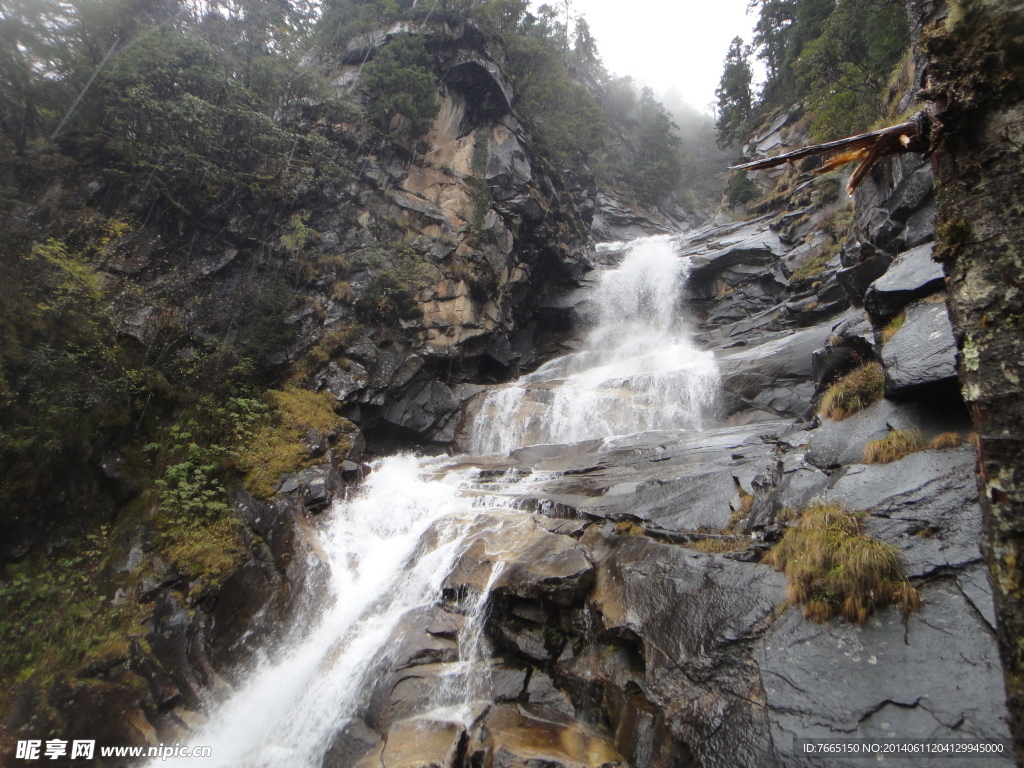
(400, 80)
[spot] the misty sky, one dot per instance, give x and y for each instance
(668, 43)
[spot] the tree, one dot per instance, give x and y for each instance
(845, 70)
(975, 64)
(734, 95)
(400, 81)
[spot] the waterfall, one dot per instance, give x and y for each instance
(638, 370)
(391, 545)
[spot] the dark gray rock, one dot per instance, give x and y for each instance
(694, 616)
(342, 378)
(838, 443)
(424, 406)
(911, 193)
(922, 352)
(887, 678)
(925, 504)
(913, 275)
(775, 376)
(350, 744)
(856, 279)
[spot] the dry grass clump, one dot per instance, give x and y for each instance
(853, 392)
(740, 513)
(894, 446)
(894, 325)
(833, 569)
(718, 546)
(946, 440)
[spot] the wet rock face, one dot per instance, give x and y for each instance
(922, 353)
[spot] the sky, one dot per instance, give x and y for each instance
(668, 44)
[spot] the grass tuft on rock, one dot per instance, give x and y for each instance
(835, 570)
(853, 392)
(946, 440)
(894, 446)
(893, 325)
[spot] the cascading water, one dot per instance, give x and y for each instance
(638, 371)
(390, 547)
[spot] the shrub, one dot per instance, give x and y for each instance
(853, 392)
(400, 81)
(276, 448)
(740, 189)
(894, 446)
(833, 569)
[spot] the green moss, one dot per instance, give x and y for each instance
(813, 267)
(276, 448)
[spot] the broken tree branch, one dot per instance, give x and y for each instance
(867, 147)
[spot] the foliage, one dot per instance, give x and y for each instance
(813, 267)
(48, 613)
(853, 392)
(834, 569)
(569, 123)
(391, 294)
(655, 171)
(67, 383)
(838, 55)
(847, 68)
(740, 189)
(400, 80)
(735, 98)
(276, 448)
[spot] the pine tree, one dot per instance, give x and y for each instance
(735, 99)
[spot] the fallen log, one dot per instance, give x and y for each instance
(866, 147)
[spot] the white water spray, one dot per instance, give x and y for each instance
(638, 371)
(390, 547)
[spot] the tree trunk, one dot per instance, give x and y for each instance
(974, 81)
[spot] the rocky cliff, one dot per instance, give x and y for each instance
(635, 622)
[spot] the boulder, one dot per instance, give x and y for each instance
(423, 407)
(533, 563)
(925, 504)
(922, 352)
(693, 617)
(889, 678)
(858, 278)
(417, 743)
(912, 275)
(839, 443)
(351, 744)
(776, 376)
(526, 736)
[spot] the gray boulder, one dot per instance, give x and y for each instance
(423, 407)
(922, 352)
(913, 275)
